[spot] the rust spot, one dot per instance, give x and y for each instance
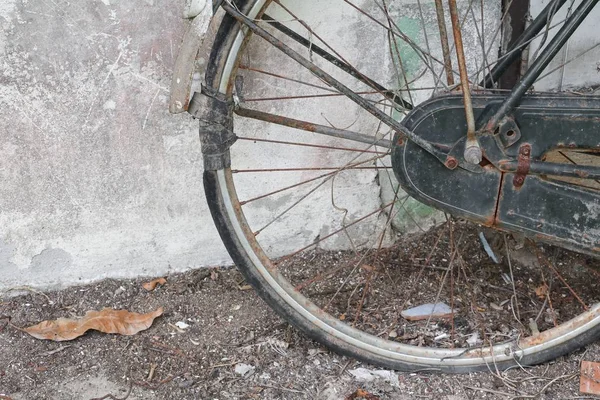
(582, 174)
(451, 163)
(523, 166)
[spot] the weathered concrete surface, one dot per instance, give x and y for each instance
(97, 178)
(577, 65)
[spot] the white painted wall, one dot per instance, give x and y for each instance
(97, 179)
(581, 54)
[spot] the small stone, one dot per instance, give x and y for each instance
(120, 290)
(393, 334)
(473, 340)
(243, 369)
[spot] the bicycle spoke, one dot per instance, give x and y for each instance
(287, 78)
(316, 242)
(337, 62)
(347, 66)
(310, 127)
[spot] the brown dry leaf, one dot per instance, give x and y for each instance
(150, 286)
(541, 291)
(108, 320)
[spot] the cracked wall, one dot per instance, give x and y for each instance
(98, 180)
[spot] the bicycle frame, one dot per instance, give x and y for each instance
(491, 126)
(536, 69)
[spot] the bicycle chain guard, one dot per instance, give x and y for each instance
(547, 210)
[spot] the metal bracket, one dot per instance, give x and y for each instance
(215, 113)
(508, 132)
(523, 166)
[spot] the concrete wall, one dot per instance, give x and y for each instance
(98, 180)
(581, 55)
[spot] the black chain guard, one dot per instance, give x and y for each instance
(560, 213)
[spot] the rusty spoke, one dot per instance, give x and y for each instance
(316, 128)
(310, 96)
(316, 242)
(396, 31)
(259, 170)
(370, 82)
(318, 146)
(287, 78)
(545, 261)
(299, 183)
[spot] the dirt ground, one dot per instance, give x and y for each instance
(234, 347)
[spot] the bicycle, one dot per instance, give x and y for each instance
(340, 110)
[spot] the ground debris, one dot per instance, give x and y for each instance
(424, 311)
(368, 375)
(107, 320)
(150, 286)
(589, 381)
(361, 394)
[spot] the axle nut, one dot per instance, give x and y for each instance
(473, 155)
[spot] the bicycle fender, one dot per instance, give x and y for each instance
(193, 54)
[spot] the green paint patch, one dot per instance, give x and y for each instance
(412, 216)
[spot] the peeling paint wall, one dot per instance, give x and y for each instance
(98, 180)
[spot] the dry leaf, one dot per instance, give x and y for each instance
(150, 286)
(108, 320)
(541, 291)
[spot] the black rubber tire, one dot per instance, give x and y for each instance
(221, 48)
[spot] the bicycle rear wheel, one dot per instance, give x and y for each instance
(305, 200)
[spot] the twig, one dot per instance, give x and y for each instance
(515, 307)
(223, 365)
(110, 396)
(151, 372)
(281, 388)
(549, 265)
(538, 394)
(60, 348)
(32, 290)
(488, 391)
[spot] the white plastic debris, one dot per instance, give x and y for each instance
(473, 340)
(368, 375)
(488, 249)
(181, 325)
(424, 311)
(243, 369)
(441, 337)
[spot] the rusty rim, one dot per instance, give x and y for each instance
(511, 351)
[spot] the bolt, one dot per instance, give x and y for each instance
(519, 180)
(451, 163)
(473, 154)
(526, 151)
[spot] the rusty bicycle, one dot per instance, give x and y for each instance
(327, 127)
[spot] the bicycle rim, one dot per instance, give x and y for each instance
(329, 207)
